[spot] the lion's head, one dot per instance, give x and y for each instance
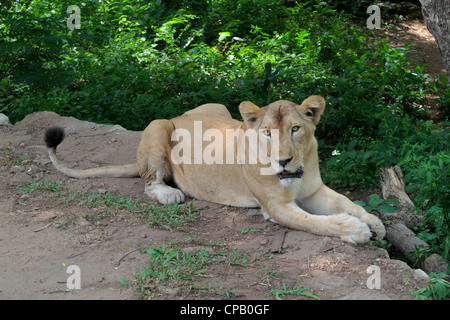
(286, 126)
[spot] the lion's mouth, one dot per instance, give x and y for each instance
(287, 174)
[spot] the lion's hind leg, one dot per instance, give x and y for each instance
(211, 108)
(154, 165)
(163, 193)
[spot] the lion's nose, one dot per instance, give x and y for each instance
(284, 162)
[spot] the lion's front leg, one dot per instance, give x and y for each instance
(342, 225)
(328, 202)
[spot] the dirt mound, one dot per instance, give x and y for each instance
(49, 222)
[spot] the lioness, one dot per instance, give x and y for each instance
(291, 192)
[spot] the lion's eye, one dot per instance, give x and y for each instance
(295, 128)
(266, 132)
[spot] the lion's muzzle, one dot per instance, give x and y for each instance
(287, 174)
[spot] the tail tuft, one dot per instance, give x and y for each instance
(53, 137)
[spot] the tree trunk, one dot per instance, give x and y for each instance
(437, 18)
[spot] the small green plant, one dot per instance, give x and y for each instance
(238, 259)
(9, 158)
(123, 281)
(376, 203)
(270, 273)
(171, 264)
(208, 288)
(286, 292)
(247, 230)
(437, 289)
(54, 186)
(172, 216)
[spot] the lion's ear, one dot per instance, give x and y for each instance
(313, 107)
(250, 112)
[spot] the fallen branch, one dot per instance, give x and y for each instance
(392, 185)
(43, 228)
(404, 240)
(121, 259)
(398, 224)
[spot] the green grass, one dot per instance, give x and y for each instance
(176, 216)
(237, 258)
(170, 264)
(53, 186)
(285, 291)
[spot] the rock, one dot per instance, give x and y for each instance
(435, 263)
(364, 294)
(170, 291)
(4, 120)
(420, 274)
(21, 178)
(46, 215)
(110, 233)
(16, 169)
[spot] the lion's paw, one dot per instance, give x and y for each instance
(165, 194)
(351, 229)
(375, 225)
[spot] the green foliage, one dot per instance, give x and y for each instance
(428, 178)
(437, 289)
(355, 7)
(378, 204)
(162, 58)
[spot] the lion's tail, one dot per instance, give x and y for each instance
(54, 136)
